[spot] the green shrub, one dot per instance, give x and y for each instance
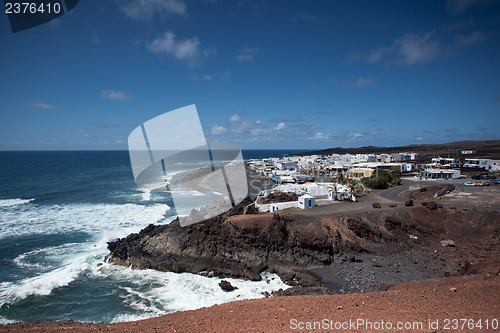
(384, 179)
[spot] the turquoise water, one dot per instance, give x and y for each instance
(58, 210)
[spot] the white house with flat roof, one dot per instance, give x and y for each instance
(306, 201)
(484, 163)
(439, 173)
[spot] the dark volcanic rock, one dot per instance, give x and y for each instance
(409, 203)
(241, 246)
(376, 205)
(297, 291)
(226, 286)
(432, 205)
(278, 197)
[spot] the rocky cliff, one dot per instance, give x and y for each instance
(243, 246)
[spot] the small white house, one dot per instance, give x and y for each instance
(439, 173)
(306, 201)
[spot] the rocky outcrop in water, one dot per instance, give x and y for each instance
(240, 247)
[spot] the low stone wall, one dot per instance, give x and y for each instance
(277, 206)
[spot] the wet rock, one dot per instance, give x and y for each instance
(226, 286)
(376, 205)
(409, 203)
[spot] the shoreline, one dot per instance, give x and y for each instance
(425, 301)
(469, 259)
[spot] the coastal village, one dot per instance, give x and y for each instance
(315, 178)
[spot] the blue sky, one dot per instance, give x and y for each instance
(263, 74)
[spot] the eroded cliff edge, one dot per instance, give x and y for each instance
(294, 246)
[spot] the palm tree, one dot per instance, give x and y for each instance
(334, 189)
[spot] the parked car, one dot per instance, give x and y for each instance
(478, 184)
(476, 177)
(495, 181)
(469, 184)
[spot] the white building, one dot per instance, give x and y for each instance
(439, 173)
(340, 192)
(484, 163)
(306, 201)
(445, 162)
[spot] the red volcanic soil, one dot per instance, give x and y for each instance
(442, 302)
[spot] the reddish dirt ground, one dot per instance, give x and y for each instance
(474, 297)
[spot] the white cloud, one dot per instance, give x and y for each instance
(226, 75)
(196, 77)
(258, 131)
(40, 106)
(475, 37)
(115, 95)
(247, 54)
(417, 49)
(187, 50)
(361, 82)
(234, 118)
(320, 137)
(376, 55)
(408, 50)
(354, 136)
(218, 130)
(280, 126)
(241, 126)
(144, 10)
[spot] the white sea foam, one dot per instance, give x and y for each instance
(88, 218)
(60, 265)
(169, 292)
(5, 321)
(14, 202)
(147, 293)
(43, 284)
(45, 258)
(146, 195)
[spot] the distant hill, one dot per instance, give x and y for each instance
(484, 149)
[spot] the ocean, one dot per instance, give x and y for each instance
(58, 210)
